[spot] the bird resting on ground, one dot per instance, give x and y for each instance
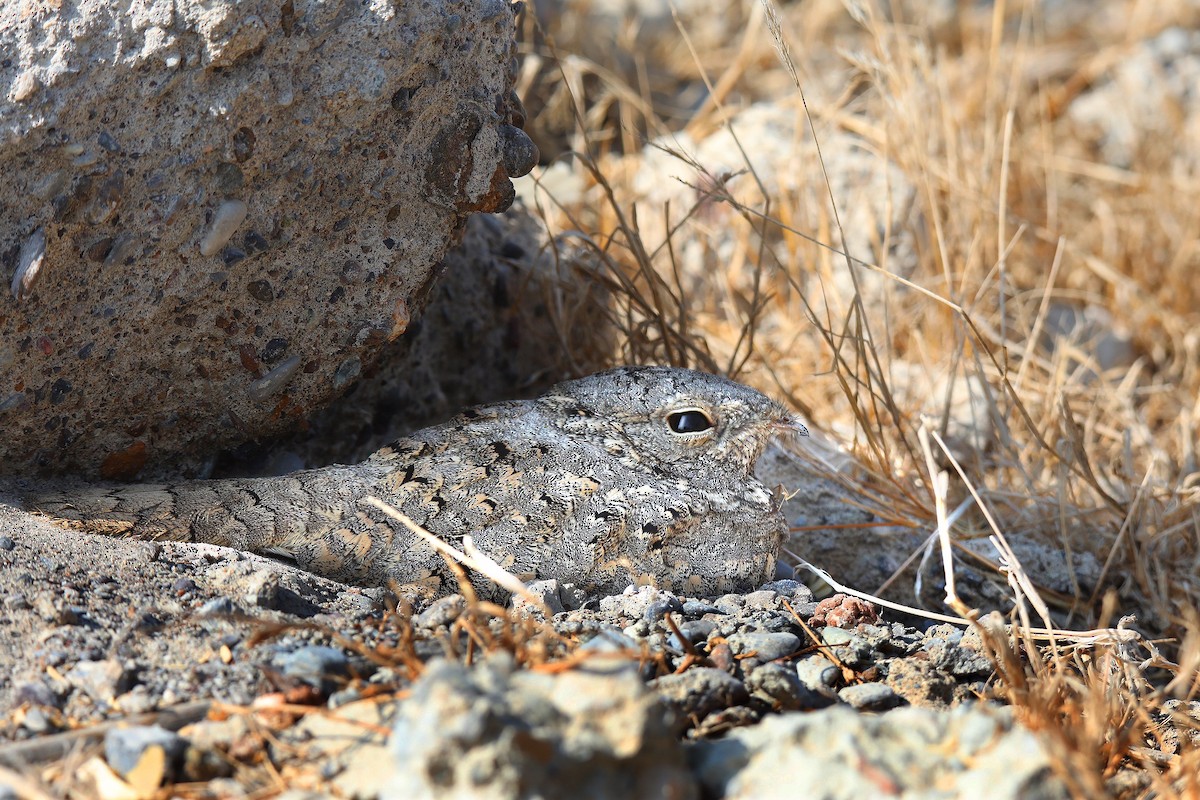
(635, 475)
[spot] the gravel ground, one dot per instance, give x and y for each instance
(242, 675)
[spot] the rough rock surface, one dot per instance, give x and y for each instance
(512, 313)
(218, 214)
(495, 732)
(910, 753)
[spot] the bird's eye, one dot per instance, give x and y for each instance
(689, 420)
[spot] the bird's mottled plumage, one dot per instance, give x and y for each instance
(605, 481)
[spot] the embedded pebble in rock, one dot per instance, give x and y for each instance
(972, 751)
(341, 150)
(274, 381)
(36, 720)
(29, 264)
(697, 608)
(226, 219)
(38, 693)
(261, 590)
(554, 597)
(730, 604)
(836, 636)
(611, 640)
(492, 731)
(695, 631)
(961, 662)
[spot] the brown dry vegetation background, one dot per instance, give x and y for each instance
(1017, 189)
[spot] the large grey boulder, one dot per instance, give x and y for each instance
(217, 214)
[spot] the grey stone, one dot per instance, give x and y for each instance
(323, 667)
(547, 592)
(779, 685)
(218, 606)
(38, 693)
(635, 603)
(818, 673)
(920, 754)
(869, 696)
(166, 193)
(261, 590)
(836, 636)
(763, 598)
(696, 608)
(765, 646)
(696, 631)
(492, 732)
(442, 611)
(961, 662)
(700, 691)
(731, 604)
(794, 591)
(123, 747)
(101, 680)
(38, 721)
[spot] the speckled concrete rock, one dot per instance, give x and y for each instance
(494, 732)
(916, 754)
(512, 313)
(217, 214)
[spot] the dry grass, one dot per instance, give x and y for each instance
(997, 209)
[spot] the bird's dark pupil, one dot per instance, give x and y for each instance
(689, 422)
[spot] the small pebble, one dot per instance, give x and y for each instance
(698, 608)
(314, 664)
(763, 598)
(818, 673)
(765, 646)
(442, 611)
(37, 720)
(700, 691)
(123, 747)
(780, 686)
(218, 606)
(836, 636)
(869, 697)
(696, 631)
(37, 693)
(661, 607)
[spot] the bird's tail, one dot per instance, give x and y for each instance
(198, 511)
